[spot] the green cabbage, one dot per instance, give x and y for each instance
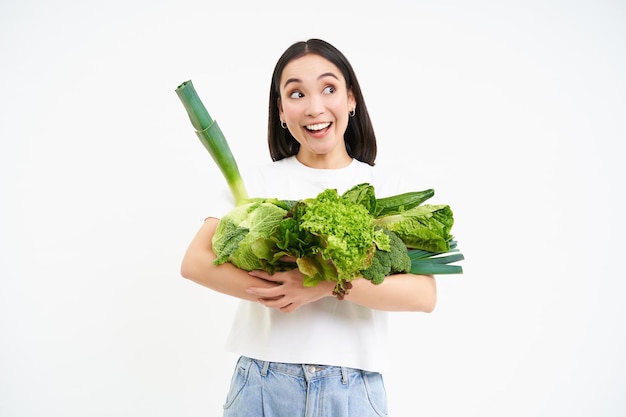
(240, 228)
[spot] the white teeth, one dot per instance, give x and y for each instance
(318, 126)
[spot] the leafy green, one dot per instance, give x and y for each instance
(336, 238)
(240, 228)
(425, 227)
(332, 237)
(363, 194)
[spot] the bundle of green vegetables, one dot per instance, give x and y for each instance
(368, 236)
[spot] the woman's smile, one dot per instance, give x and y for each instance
(318, 129)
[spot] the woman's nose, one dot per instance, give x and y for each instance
(315, 106)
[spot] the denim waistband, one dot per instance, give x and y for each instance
(306, 371)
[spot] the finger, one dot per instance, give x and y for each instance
(278, 303)
(267, 293)
(288, 308)
(269, 299)
(265, 276)
(260, 274)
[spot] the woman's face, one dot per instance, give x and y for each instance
(315, 102)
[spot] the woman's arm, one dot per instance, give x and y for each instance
(197, 265)
(398, 292)
(284, 290)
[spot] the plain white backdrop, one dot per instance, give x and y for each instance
(514, 111)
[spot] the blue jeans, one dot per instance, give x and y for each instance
(270, 389)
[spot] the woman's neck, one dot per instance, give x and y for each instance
(325, 161)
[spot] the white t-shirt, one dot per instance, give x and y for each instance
(325, 332)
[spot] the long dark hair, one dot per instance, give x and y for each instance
(359, 137)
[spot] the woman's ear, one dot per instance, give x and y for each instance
(279, 104)
(351, 100)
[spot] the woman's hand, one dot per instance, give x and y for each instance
(289, 293)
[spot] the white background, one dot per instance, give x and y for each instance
(514, 111)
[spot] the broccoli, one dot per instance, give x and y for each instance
(389, 262)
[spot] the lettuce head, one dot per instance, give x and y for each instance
(240, 228)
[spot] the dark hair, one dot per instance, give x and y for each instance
(359, 137)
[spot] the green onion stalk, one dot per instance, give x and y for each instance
(211, 136)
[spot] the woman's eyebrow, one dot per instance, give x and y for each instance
(291, 80)
(297, 80)
(327, 74)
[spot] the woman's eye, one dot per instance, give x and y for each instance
(296, 94)
(329, 90)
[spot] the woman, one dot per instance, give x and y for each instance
(301, 349)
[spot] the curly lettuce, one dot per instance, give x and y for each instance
(338, 238)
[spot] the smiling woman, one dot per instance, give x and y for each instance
(508, 109)
(294, 339)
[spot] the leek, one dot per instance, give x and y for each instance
(211, 136)
(436, 263)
